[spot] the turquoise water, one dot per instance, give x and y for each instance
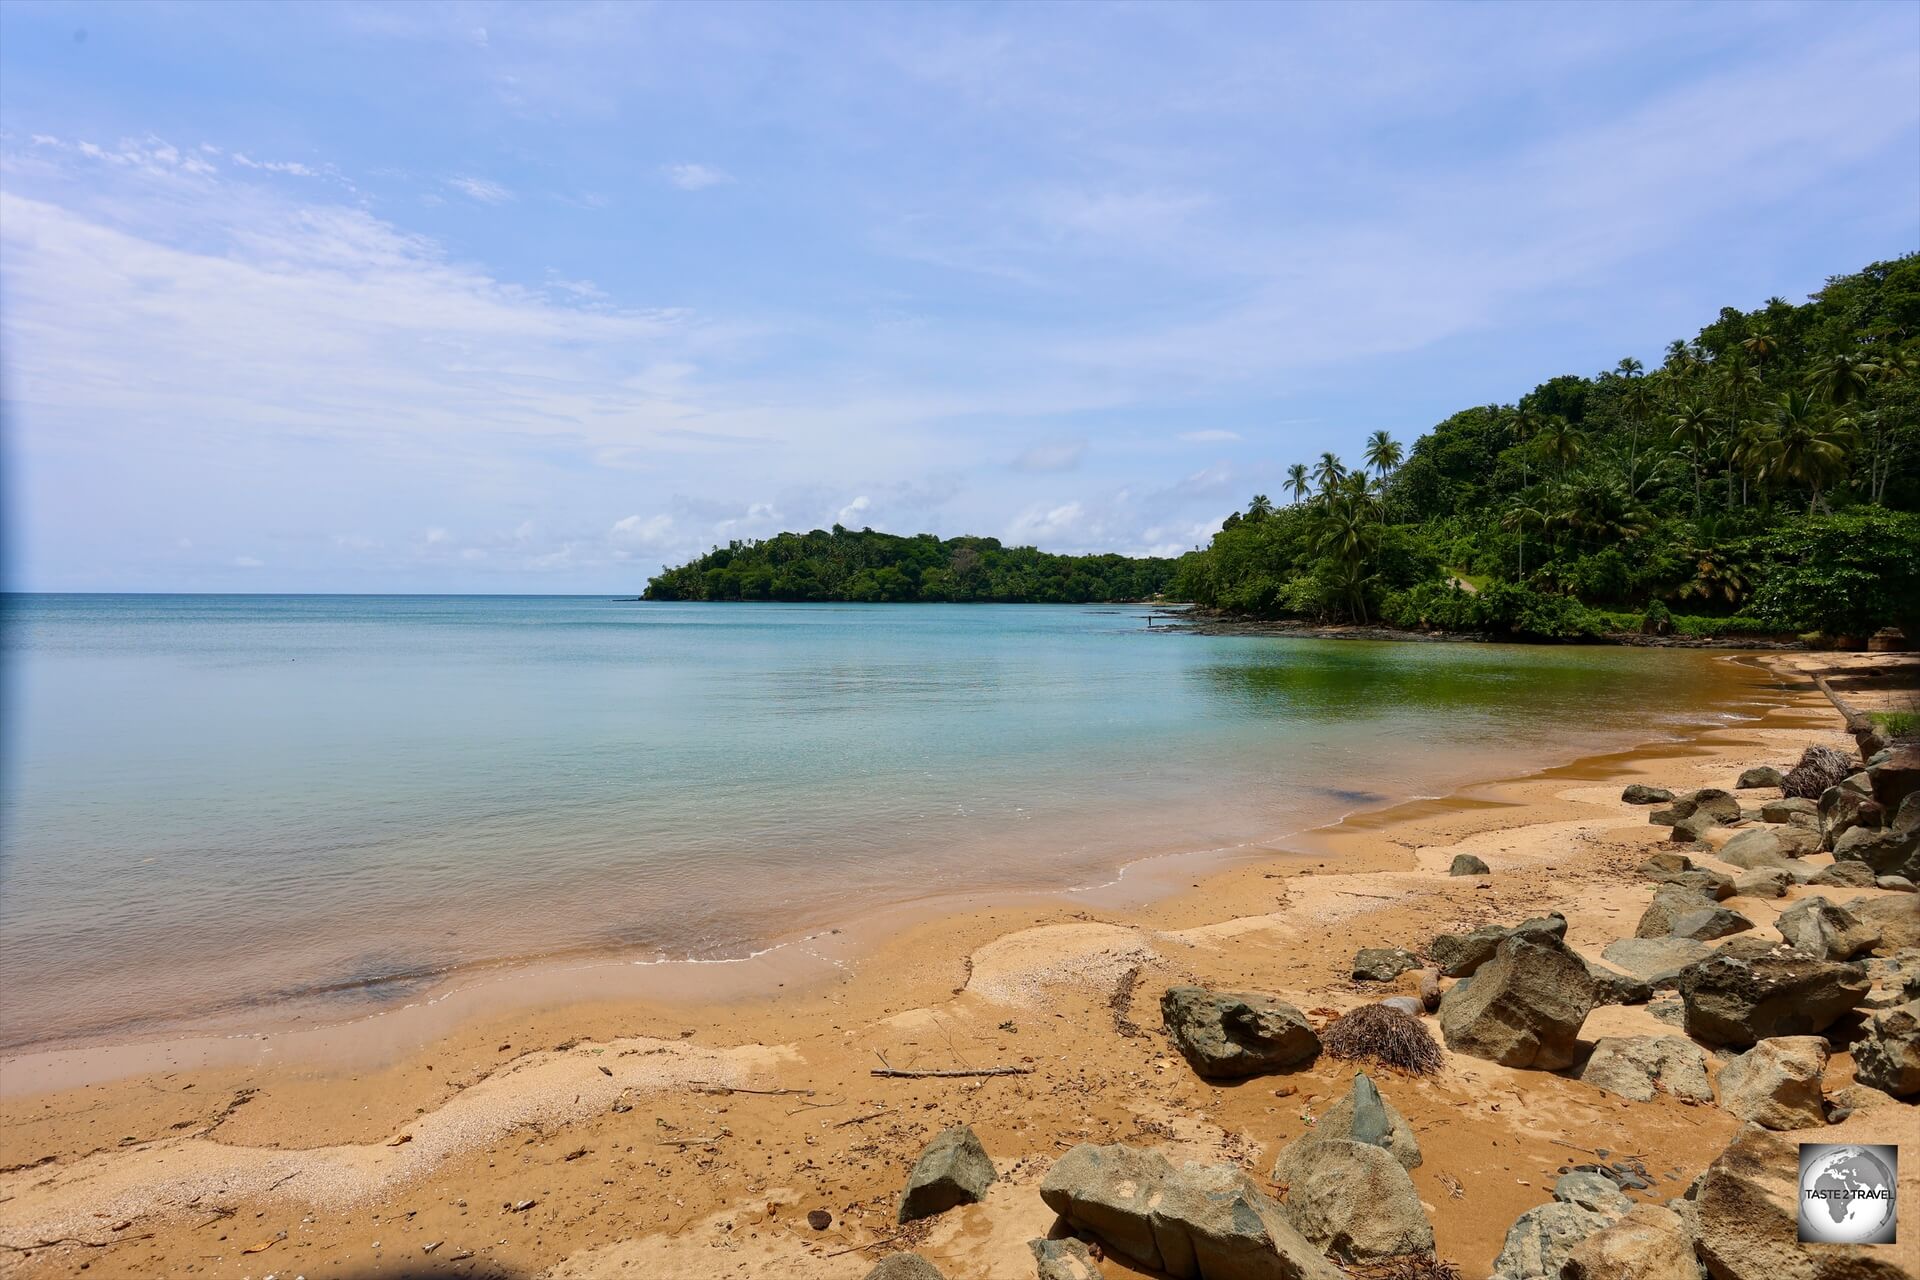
(216, 803)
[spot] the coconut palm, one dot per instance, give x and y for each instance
(1564, 442)
(1297, 483)
(1692, 426)
(1760, 344)
(1739, 382)
(1328, 472)
(1843, 377)
(1383, 453)
(1806, 446)
(1525, 513)
(1637, 400)
(1260, 508)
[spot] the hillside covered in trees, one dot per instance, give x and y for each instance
(844, 564)
(1763, 479)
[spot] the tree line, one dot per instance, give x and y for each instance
(1763, 479)
(865, 565)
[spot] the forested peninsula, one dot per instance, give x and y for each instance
(1764, 479)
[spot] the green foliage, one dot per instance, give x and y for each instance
(1898, 724)
(866, 566)
(1763, 475)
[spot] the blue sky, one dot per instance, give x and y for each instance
(498, 297)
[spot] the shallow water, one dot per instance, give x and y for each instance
(217, 803)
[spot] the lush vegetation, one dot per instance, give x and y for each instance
(1762, 480)
(844, 564)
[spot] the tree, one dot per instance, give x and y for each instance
(1383, 453)
(1692, 428)
(1805, 445)
(1564, 442)
(1842, 378)
(1297, 483)
(1328, 472)
(1260, 508)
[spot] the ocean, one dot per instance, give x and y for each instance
(216, 805)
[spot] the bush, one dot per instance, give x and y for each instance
(1521, 611)
(1846, 574)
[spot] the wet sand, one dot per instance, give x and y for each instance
(691, 1136)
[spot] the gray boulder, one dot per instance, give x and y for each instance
(1895, 919)
(1711, 803)
(1647, 1243)
(1777, 1083)
(1674, 905)
(1907, 816)
(1819, 928)
(1731, 1000)
(1066, 1259)
(1768, 846)
(1383, 964)
(1610, 987)
(1887, 1056)
(1846, 875)
(1896, 777)
(1361, 1115)
(1197, 1222)
(1708, 884)
(1784, 809)
(1657, 960)
(1228, 1034)
(1844, 808)
(1710, 923)
(1888, 852)
(1459, 955)
(1898, 884)
(905, 1266)
(1764, 775)
(1765, 883)
(953, 1170)
(1356, 1202)
(1465, 864)
(1639, 1067)
(1641, 793)
(1594, 1191)
(1665, 861)
(1523, 1008)
(1540, 1240)
(1748, 1215)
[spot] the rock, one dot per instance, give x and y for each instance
(1693, 830)
(1887, 1056)
(1383, 964)
(1847, 875)
(1896, 777)
(1594, 1191)
(1783, 809)
(1860, 781)
(952, 1170)
(1641, 793)
(1888, 852)
(1819, 928)
(1409, 1005)
(1896, 920)
(905, 1266)
(1710, 923)
(1899, 884)
(1721, 806)
(819, 1219)
(1458, 955)
(1638, 1067)
(1610, 987)
(1768, 846)
(1844, 808)
(1465, 864)
(1429, 980)
(1673, 903)
(1748, 1216)
(1066, 1259)
(1229, 1034)
(1708, 884)
(1657, 960)
(1907, 816)
(1361, 1115)
(1541, 1239)
(1647, 1243)
(1735, 1001)
(1763, 775)
(1357, 1203)
(1198, 1222)
(1777, 1083)
(1661, 863)
(1523, 1008)
(1765, 883)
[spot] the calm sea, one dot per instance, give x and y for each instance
(218, 802)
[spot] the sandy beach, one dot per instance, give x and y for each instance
(692, 1137)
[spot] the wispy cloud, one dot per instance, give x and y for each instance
(481, 189)
(696, 177)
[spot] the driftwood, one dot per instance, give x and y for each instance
(898, 1073)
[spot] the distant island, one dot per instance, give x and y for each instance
(864, 565)
(1762, 481)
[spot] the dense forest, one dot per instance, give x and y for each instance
(844, 564)
(1763, 479)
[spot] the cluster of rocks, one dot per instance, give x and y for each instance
(1772, 1010)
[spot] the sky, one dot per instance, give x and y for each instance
(451, 297)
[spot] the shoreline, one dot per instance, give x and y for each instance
(1067, 988)
(295, 1028)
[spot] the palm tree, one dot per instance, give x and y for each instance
(1692, 428)
(1760, 345)
(1739, 381)
(1328, 472)
(1843, 377)
(1348, 530)
(1637, 400)
(1297, 480)
(1260, 508)
(1564, 441)
(1805, 445)
(1383, 453)
(1524, 514)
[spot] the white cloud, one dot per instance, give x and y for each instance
(1047, 524)
(1211, 436)
(851, 513)
(696, 177)
(1059, 456)
(481, 189)
(643, 531)
(437, 537)
(248, 562)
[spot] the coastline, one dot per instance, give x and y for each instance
(317, 1149)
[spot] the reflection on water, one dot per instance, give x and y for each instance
(219, 801)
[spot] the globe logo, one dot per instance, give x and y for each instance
(1847, 1193)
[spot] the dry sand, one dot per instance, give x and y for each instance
(616, 1138)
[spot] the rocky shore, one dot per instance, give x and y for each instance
(1566, 1026)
